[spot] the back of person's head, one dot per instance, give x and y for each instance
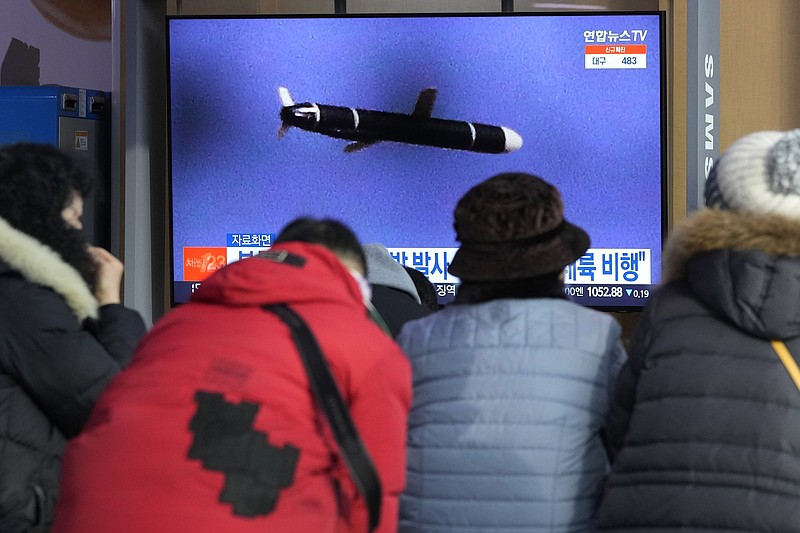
(341, 240)
(37, 182)
(759, 173)
(515, 241)
(382, 269)
(512, 226)
(329, 233)
(425, 289)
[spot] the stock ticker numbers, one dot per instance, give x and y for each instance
(609, 295)
(638, 293)
(604, 291)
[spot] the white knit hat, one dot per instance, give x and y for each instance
(759, 173)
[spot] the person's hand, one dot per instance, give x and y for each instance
(108, 281)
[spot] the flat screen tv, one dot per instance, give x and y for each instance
(384, 122)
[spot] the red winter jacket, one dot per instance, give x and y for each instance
(217, 391)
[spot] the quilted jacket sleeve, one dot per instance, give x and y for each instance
(625, 389)
(62, 365)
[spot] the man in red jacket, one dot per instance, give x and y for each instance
(214, 427)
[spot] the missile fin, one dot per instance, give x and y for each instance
(357, 146)
(424, 106)
(283, 130)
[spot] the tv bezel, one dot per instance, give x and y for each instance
(665, 199)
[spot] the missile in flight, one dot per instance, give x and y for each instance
(366, 127)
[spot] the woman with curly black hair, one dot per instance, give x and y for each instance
(63, 331)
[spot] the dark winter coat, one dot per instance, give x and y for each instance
(707, 420)
(52, 369)
(396, 307)
(394, 294)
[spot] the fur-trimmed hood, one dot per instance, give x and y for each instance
(745, 266)
(39, 264)
(714, 229)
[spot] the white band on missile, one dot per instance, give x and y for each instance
(355, 118)
(317, 112)
(473, 133)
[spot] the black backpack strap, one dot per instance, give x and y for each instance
(330, 400)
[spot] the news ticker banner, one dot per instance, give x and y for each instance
(598, 266)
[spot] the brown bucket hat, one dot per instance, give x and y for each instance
(512, 226)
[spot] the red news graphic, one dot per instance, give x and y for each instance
(605, 49)
(200, 262)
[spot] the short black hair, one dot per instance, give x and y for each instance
(331, 234)
(37, 181)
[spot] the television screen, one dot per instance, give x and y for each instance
(384, 122)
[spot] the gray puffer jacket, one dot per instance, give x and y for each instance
(510, 399)
(706, 426)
